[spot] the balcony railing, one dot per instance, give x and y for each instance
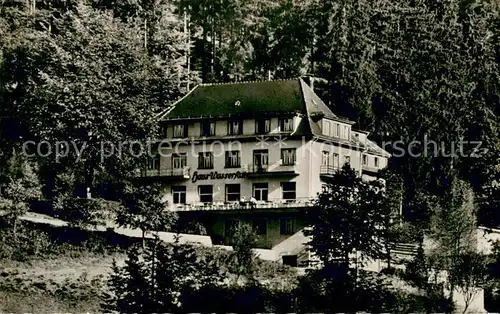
(328, 170)
(166, 173)
(274, 168)
(246, 205)
(367, 168)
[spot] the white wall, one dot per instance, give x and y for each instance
(246, 154)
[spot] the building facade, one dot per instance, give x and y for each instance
(257, 152)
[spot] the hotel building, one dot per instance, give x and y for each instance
(257, 152)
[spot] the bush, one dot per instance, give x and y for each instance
(83, 212)
(78, 295)
(35, 241)
(409, 233)
(250, 298)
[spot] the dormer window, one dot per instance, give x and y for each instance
(326, 127)
(163, 131)
(286, 125)
(346, 132)
(207, 128)
(262, 126)
(336, 130)
(180, 130)
(234, 127)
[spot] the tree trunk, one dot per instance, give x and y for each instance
(143, 239)
(388, 249)
(204, 70)
(212, 61)
(146, 34)
(188, 46)
(153, 282)
(15, 228)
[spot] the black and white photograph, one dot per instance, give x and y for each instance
(250, 156)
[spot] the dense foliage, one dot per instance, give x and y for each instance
(409, 72)
(83, 77)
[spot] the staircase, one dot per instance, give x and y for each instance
(402, 252)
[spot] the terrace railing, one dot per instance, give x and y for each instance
(246, 205)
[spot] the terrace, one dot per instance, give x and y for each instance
(246, 205)
(180, 173)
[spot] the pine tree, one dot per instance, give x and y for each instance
(145, 209)
(23, 187)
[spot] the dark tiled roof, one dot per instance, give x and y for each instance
(255, 99)
(315, 106)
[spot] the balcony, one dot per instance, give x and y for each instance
(246, 205)
(369, 169)
(328, 171)
(179, 174)
(277, 169)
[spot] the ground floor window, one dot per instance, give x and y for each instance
(286, 226)
(179, 194)
(260, 226)
(229, 226)
(206, 193)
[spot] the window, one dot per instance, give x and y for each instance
(260, 158)
(205, 160)
(347, 160)
(336, 128)
(260, 226)
(262, 126)
(325, 159)
(346, 132)
(180, 130)
(229, 226)
(376, 161)
(234, 127)
(154, 163)
(286, 125)
(206, 193)
(163, 131)
(336, 160)
(365, 160)
(179, 161)
(233, 159)
(260, 191)
(288, 156)
(232, 192)
(288, 190)
(179, 194)
(207, 128)
(326, 127)
(286, 226)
